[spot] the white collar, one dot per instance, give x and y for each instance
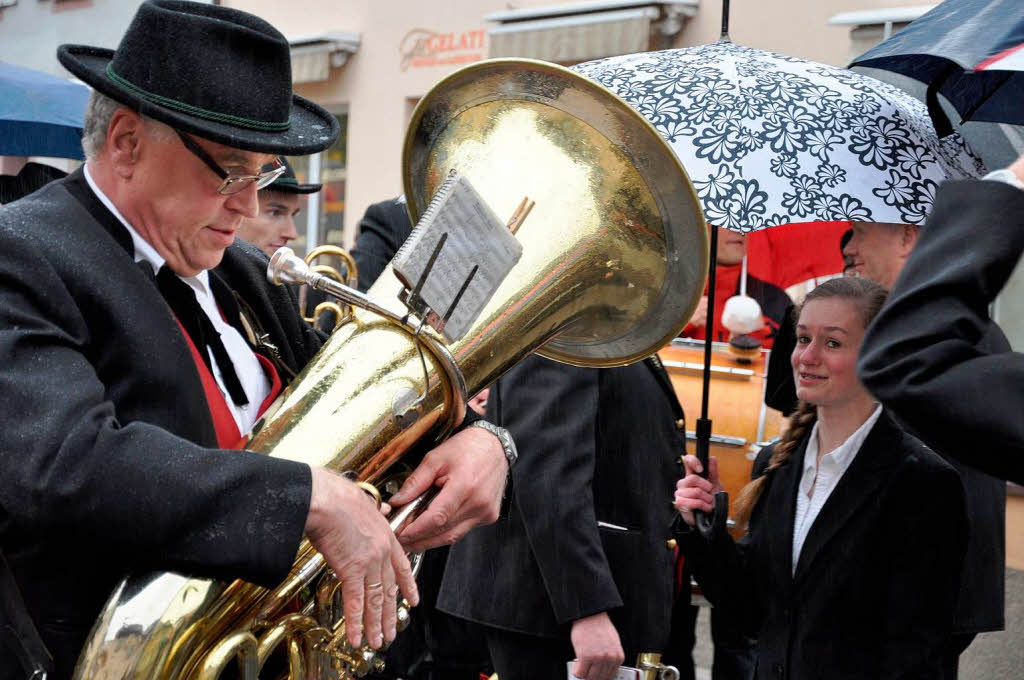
(144, 252)
(844, 454)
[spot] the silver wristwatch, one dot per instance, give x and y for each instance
(507, 445)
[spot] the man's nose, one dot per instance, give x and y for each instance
(246, 202)
(289, 232)
(851, 247)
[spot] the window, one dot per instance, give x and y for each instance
(324, 210)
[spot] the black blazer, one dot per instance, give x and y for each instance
(595, 445)
(382, 231)
(875, 587)
(921, 356)
(106, 437)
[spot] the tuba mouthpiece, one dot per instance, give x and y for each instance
(286, 267)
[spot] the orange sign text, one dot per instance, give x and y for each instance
(421, 47)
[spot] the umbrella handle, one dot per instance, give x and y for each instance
(709, 525)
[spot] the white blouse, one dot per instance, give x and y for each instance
(818, 480)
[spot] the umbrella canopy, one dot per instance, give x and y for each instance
(1008, 53)
(941, 48)
(796, 253)
(769, 139)
(40, 114)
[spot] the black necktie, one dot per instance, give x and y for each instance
(183, 302)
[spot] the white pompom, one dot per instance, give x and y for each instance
(742, 315)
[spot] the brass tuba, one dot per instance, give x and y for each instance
(614, 261)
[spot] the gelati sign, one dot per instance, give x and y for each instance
(422, 47)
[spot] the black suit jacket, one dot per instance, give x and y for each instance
(594, 445)
(382, 231)
(875, 587)
(921, 356)
(106, 438)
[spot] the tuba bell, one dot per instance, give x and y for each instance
(613, 264)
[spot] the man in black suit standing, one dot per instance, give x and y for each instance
(125, 369)
(880, 252)
(579, 567)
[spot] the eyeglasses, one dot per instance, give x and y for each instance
(233, 181)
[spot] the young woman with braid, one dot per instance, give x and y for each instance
(856, 530)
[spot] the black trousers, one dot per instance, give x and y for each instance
(436, 646)
(517, 656)
(957, 645)
(735, 654)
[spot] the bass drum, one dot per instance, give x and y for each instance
(741, 423)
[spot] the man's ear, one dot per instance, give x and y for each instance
(908, 238)
(125, 137)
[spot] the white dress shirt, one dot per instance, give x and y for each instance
(250, 373)
(819, 479)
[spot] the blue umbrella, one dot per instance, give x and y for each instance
(40, 114)
(941, 50)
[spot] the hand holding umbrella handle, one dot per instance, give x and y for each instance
(712, 524)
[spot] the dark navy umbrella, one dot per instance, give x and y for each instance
(942, 48)
(40, 114)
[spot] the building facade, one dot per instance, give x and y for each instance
(369, 62)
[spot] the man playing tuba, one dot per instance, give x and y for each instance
(126, 369)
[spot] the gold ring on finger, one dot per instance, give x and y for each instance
(378, 584)
(371, 491)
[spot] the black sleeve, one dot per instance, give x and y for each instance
(721, 568)
(921, 355)
(551, 411)
(721, 565)
(71, 467)
(382, 231)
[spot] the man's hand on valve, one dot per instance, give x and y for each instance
(345, 525)
(471, 469)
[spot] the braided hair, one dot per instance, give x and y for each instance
(868, 297)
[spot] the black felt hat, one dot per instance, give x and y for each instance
(214, 71)
(287, 183)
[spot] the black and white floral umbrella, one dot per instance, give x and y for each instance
(769, 139)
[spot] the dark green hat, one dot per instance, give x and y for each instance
(288, 184)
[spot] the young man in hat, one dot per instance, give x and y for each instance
(879, 252)
(274, 227)
(123, 371)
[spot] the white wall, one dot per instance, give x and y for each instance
(31, 30)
